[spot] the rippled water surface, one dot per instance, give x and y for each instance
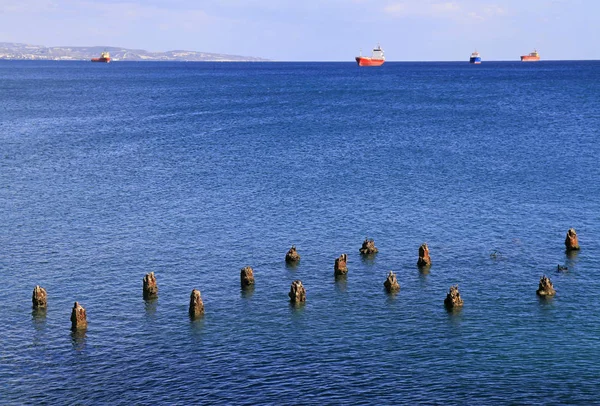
(195, 170)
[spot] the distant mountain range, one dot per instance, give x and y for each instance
(10, 50)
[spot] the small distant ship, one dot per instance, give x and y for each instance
(532, 57)
(475, 58)
(104, 57)
(377, 58)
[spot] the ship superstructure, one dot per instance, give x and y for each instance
(377, 58)
(104, 57)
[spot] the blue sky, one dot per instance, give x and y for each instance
(315, 30)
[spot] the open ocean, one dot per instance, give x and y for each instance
(195, 170)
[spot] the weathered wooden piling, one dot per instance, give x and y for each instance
(368, 247)
(39, 298)
(391, 283)
(297, 292)
(196, 304)
(292, 255)
(340, 268)
(453, 299)
(78, 318)
(571, 242)
(545, 287)
(247, 277)
(424, 259)
(150, 290)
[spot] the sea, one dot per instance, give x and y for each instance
(196, 170)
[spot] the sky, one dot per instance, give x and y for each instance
(315, 30)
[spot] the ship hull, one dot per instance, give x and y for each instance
(476, 60)
(364, 61)
(527, 58)
(104, 60)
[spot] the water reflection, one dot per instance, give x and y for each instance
(368, 259)
(424, 270)
(391, 296)
(247, 292)
(150, 306)
(571, 258)
(297, 308)
(546, 301)
(291, 266)
(341, 283)
(197, 326)
(454, 315)
(38, 316)
(78, 339)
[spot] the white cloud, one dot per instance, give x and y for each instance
(396, 8)
(449, 7)
(29, 6)
(460, 10)
(421, 8)
(494, 10)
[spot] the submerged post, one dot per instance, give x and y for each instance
(297, 292)
(391, 283)
(247, 277)
(545, 287)
(39, 298)
(292, 255)
(340, 268)
(368, 247)
(196, 304)
(78, 318)
(571, 242)
(150, 290)
(424, 259)
(453, 299)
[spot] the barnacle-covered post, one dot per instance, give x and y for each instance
(571, 242)
(39, 298)
(78, 318)
(453, 299)
(424, 259)
(391, 283)
(340, 268)
(247, 277)
(150, 289)
(196, 304)
(297, 292)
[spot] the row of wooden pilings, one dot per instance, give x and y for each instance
(297, 292)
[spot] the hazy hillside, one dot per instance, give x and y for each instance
(37, 52)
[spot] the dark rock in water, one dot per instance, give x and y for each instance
(561, 268)
(297, 292)
(196, 304)
(150, 288)
(453, 299)
(247, 277)
(545, 288)
(368, 247)
(78, 317)
(292, 255)
(571, 242)
(340, 268)
(39, 298)
(391, 283)
(424, 259)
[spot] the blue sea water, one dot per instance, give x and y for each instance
(195, 170)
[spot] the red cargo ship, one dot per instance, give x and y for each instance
(532, 57)
(376, 59)
(104, 57)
